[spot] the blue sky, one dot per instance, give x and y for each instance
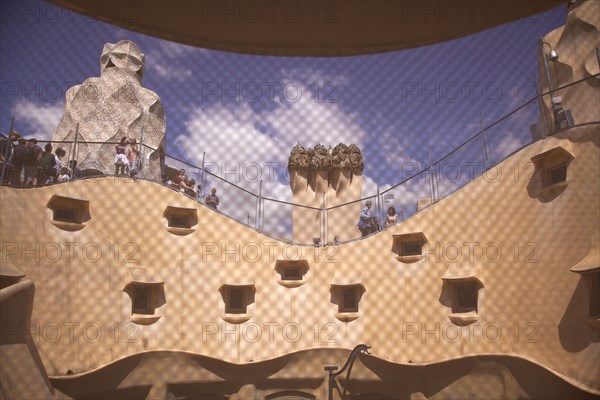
(393, 105)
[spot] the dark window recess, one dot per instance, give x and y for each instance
(179, 221)
(292, 274)
(557, 174)
(66, 215)
(236, 301)
(141, 300)
(411, 249)
(350, 303)
(466, 296)
(409, 246)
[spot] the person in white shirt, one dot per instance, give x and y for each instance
(391, 219)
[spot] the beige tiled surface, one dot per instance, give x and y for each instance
(81, 315)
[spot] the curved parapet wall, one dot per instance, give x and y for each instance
(22, 373)
(501, 266)
(164, 374)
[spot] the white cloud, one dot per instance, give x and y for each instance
(312, 121)
(281, 127)
(164, 60)
(243, 145)
(393, 148)
(164, 69)
(173, 49)
(507, 144)
(41, 120)
(238, 152)
(229, 137)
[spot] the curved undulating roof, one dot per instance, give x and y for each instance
(307, 28)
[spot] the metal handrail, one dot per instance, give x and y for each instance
(262, 199)
(361, 348)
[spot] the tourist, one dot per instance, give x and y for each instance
(77, 174)
(177, 180)
(64, 174)
(212, 200)
(33, 154)
(18, 161)
(6, 153)
(58, 155)
(366, 222)
(391, 219)
(121, 161)
(133, 156)
(185, 182)
(189, 187)
(47, 165)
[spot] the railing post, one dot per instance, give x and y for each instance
(202, 175)
(431, 172)
(7, 150)
(323, 223)
(260, 210)
(541, 44)
(72, 164)
(484, 144)
(141, 160)
(538, 94)
(379, 216)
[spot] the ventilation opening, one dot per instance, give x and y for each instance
(236, 303)
(466, 297)
(146, 299)
(557, 175)
(238, 300)
(347, 298)
(181, 221)
(292, 272)
(409, 246)
(68, 213)
(589, 270)
(141, 300)
(552, 170)
(411, 249)
(463, 295)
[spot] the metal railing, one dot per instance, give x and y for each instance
(248, 203)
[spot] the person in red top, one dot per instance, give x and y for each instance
(121, 161)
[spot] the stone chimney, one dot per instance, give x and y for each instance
(335, 172)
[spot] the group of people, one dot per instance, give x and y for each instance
(127, 157)
(181, 182)
(369, 223)
(25, 164)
